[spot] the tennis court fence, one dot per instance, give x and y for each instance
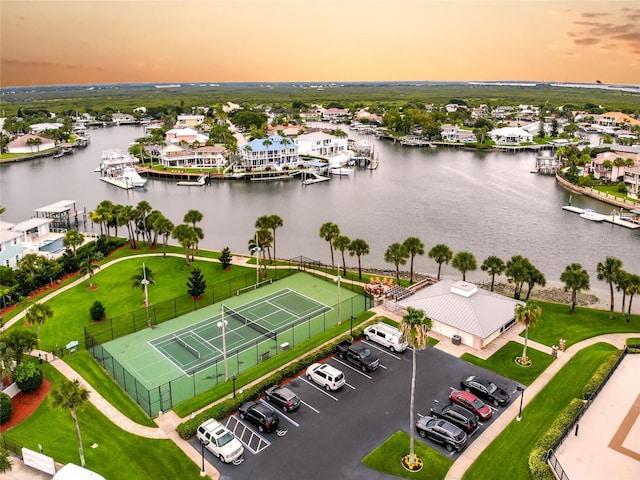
(210, 373)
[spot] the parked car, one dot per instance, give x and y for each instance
(326, 376)
(283, 397)
(472, 403)
(261, 415)
(441, 431)
(486, 390)
(220, 441)
(385, 335)
(359, 355)
(456, 414)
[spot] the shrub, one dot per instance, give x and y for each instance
(622, 187)
(6, 408)
(600, 374)
(28, 376)
(97, 311)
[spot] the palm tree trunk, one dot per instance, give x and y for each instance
(411, 410)
(411, 274)
(629, 311)
(359, 268)
(524, 350)
(493, 281)
(574, 295)
(624, 298)
(77, 425)
(611, 309)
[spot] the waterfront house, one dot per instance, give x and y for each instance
(320, 144)
(276, 153)
(123, 118)
(615, 120)
(10, 245)
(178, 156)
(632, 182)
(188, 135)
(603, 166)
(366, 116)
(460, 308)
(510, 135)
(188, 121)
(37, 128)
(330, 114)
(285, 130)
(310, 115)
(453, 133)
(30, 143)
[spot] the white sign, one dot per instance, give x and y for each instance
(38, 461)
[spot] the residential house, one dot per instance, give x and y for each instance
(123, 118)
(603, 165)
(178, 156)
(320, 144)
(188, 121)
(615, 120)
(453, 133)
(30, 143)
(334, 113)
(460, 308)
(276, 153)
(479, 112)
(188, 135)
(10, 245)
(368, 117)
(510, 135)
(37, 128)
(310, 115)
(502, 112)
(632, 182)
(528, 112)
(231, 107)
(285, 130)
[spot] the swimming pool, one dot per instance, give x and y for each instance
(52, 245)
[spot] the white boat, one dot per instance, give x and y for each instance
(589, 214)
(126, 178)
(344, 171)
(117, 168)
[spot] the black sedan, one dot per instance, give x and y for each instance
(486, 390)
(459, 416)
(282, 397)
(261, 415)
(441, 431)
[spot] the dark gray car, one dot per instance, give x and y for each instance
(441, 431)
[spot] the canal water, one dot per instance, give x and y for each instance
(487, 203)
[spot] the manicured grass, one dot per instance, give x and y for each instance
(557, 323)
(387, 458)
(502, 362)
(633, 341)
(507, 456)
(118, 454)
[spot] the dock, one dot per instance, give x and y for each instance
(615, 218)
(202, 180)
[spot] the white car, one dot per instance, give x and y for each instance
(220, 441)
(326, 376)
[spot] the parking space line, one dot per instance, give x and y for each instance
(352, 368)
(318, 388)
(305, 403)
(262, 442)
(280, 414)
(382, 366)
(351, 386)
(382, 350)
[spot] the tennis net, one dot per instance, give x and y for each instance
(186, 346)
(249, 323)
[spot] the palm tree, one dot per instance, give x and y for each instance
(186, 236)
(464, 261)
(143, 209)
(266, 142)
(493, 266)
(265, 240)
(414, 247)
(608, 271)
(396, 254)
(139, 277)
(38, 313)
(5, 461)
(72, 239)
(193, 217)
(163, 226)
(534, 277)
(329, 231)
(342, 242)
(575, 278)
(87, 267)
(622, 280)
(441, 254)
(126, 216)
(633, 287)
(517, 272)
(69, 395)
(527, 314)
(415, 328)
(358, 248)
(274, 222)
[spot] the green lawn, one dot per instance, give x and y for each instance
(116, 451)
(387, 459)
(502, 362)
(557, 323)
(507, 456)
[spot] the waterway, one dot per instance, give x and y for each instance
(487, 203)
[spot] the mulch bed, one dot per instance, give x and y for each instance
(24, 404)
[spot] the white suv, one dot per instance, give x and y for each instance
(220, 441)
(386, 335)
(326, 376)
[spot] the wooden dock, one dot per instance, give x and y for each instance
(615, 218)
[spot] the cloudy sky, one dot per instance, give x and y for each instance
(108, 41)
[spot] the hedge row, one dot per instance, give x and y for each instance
(537, 459)
(600, 374)
(227, 407)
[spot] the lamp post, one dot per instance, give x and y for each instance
(337, 279)
(203, 443)
(221, 324)
(520, 388)
(233, 379)
(145, 283)
(256, 249)
(353, 317)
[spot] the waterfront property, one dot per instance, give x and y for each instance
(179, 156)
(117, 168)
(30, 143)
(510, 135)
(274, 151)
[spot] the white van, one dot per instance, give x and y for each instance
(385, 335)
(220, 441)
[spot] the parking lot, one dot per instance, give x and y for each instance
(332, 431)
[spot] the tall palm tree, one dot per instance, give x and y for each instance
(534, 277)
(415, 328)
(69, 395)
(87, 267)
(464, 261)
(608, 271)
(358, 248)
(266, 142)
(144, 273)
(329, 231)
(265, 240)
(38, 313)
(163, 226)
(517, 272)
(414, 247)
(193, 217)
(186, 236)
(341, 243)
(527, 314)
(622, 280)
(397, 254)
(493, 266)
(274, 222)
(285, 141)
(441, 254)
(143, 209)
(575, 278)
(632, 288)
(126, 216)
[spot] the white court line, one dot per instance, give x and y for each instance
(318, 388)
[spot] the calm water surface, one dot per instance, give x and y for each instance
(486, 203)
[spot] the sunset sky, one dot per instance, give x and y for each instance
(106, 41)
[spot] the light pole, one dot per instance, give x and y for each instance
(233, 379)
(337, 279)
(145, 283)
(353, 317)
(256, 249)
(520, 388)
(203, 443)
(221, 324)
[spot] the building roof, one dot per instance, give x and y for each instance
(31, 224)
(257, 144)
(463, 306)
(57, 207)
(8, 235)
(510, 132)
(314, 137)
(22, 141)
